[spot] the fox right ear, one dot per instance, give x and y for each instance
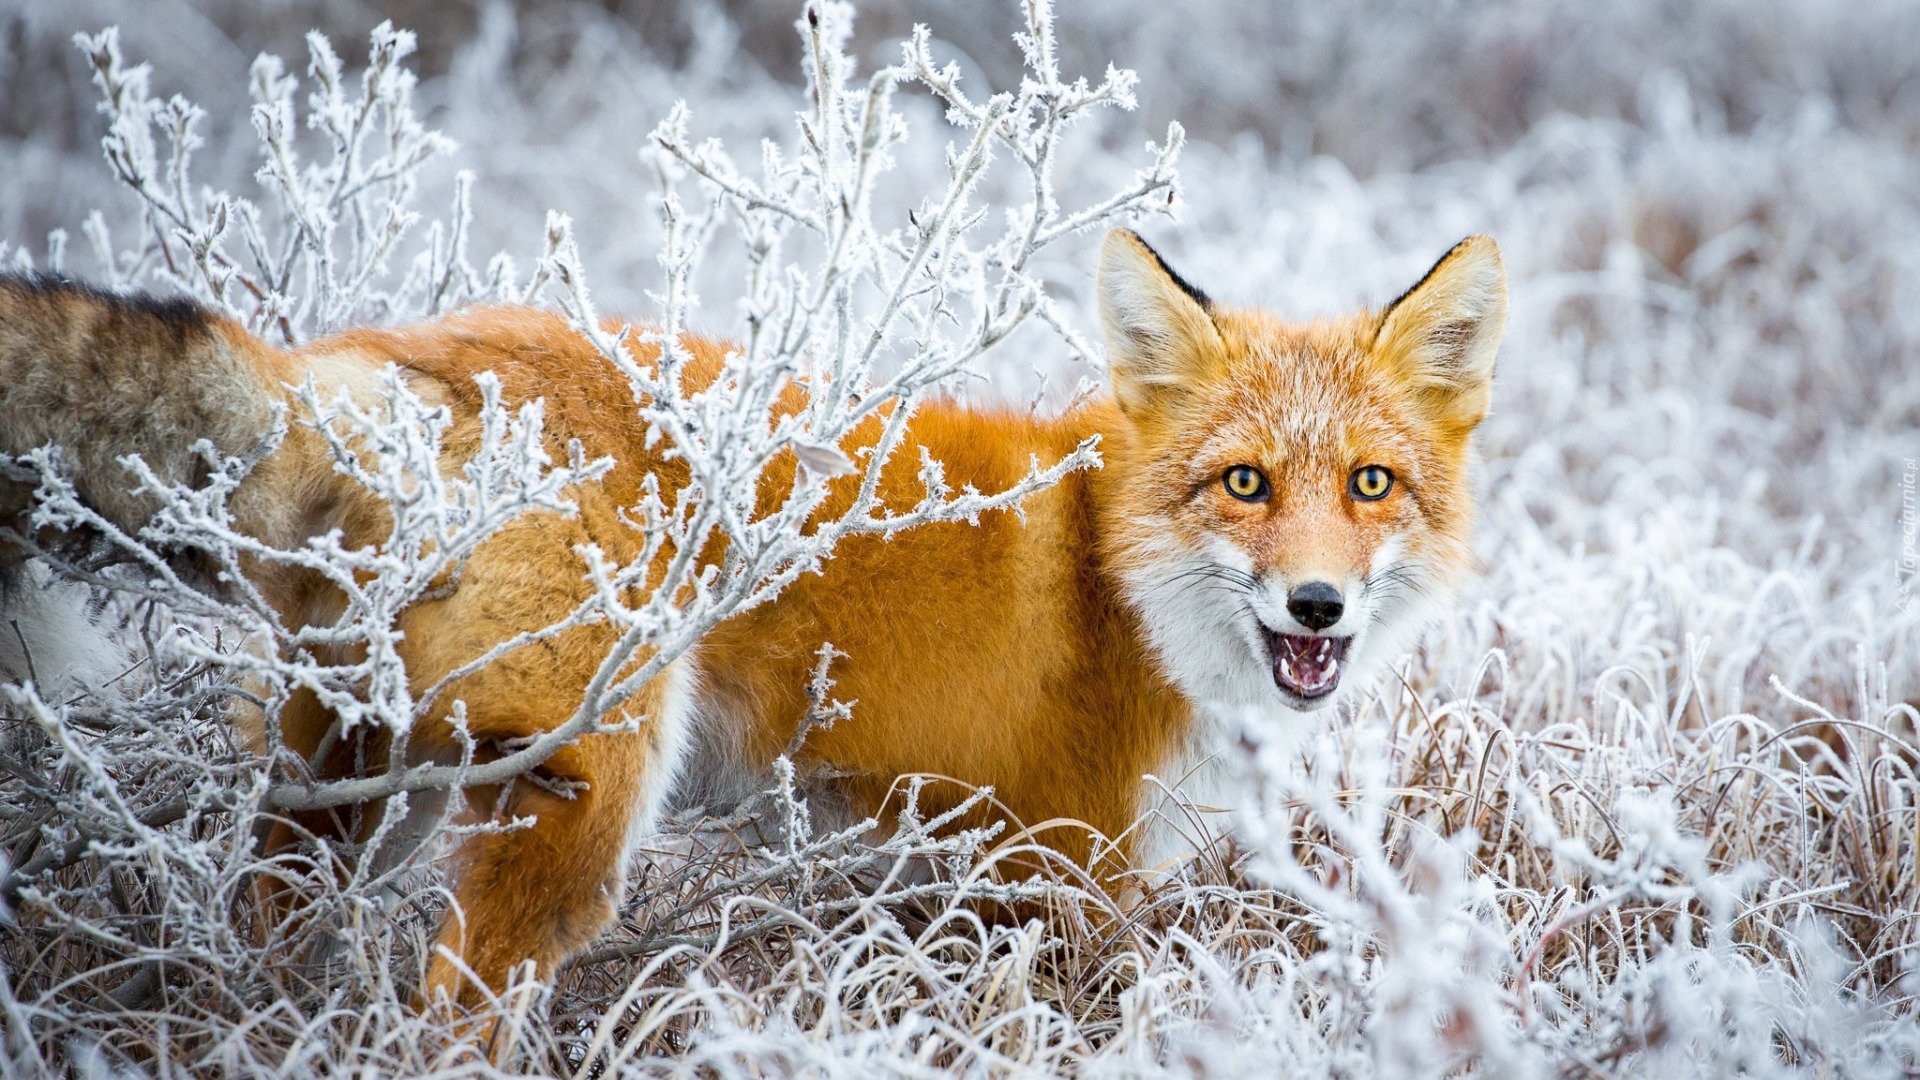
(1159, 333)
(1442, 335)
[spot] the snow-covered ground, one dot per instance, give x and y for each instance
(1644, 803)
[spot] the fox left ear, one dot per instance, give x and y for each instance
(1159, 329)
(1441, 336)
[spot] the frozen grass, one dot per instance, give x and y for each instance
(1643, 804)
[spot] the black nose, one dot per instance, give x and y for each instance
(1316, 604)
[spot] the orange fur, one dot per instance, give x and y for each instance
(1058, 659)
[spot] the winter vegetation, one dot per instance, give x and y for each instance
(1644, 801)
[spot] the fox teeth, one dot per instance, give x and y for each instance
(1325, 647)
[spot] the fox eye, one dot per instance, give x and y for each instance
(1244, 482)
(1370, 482)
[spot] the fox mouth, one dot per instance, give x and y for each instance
(1307, 666)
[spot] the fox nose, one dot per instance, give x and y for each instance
(1316, 604)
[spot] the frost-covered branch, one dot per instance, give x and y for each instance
(340, 218)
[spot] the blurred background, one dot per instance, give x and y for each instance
(1711, 213)
(550, 98)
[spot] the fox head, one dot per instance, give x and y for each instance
(1288, 500)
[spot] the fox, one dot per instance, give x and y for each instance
(1279, 507)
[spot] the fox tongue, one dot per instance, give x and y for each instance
(1308, 666)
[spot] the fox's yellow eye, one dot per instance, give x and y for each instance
(1244, 482)
(1370, 482)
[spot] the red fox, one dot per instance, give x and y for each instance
(1280, 505)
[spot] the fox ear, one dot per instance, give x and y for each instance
(1441, 336)
(1160, 335)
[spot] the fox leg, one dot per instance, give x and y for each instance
(295, 845)
(542, 891)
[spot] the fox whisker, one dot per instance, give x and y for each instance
(1210, 576)
(1396, 581)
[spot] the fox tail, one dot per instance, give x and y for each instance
(103, 376)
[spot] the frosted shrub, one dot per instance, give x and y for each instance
(870, 317)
